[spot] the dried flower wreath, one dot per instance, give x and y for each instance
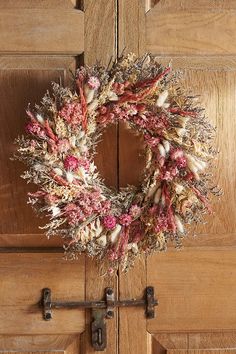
(59, 151)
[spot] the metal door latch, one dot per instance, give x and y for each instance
(101, 310)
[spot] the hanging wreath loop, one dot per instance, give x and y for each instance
(59, 149)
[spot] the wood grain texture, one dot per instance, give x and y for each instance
(192, 287)
(196, 351)
(191, 4)
(211, 342)
(23, 276)
(34, 343)
(100, 43)
(131, 157)
(45, 4)
(34, 75)
(195, 287)
(133, 337)
(42, 344)
(178, 31)
(42, 31)
(131, 26)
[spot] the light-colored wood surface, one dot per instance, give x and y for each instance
(183, 32)
(100, 43)
(195, 287)
(26, 73)
(133, 337)
(30, 345)
(189, 5)
(211, 342)
(39, 30)
(45, 4)
(23, 276)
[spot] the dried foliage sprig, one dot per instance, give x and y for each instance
(59, 148)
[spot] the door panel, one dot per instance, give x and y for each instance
(195, 286)
(45, 344)
(19, 298)
(199, 343)
(41, 30)
(40, 42)
(23, 80)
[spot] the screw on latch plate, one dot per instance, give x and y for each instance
(101, 310)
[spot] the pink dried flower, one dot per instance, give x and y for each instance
(106, 206)
(132, 110)
(135, 211)
(176, 154)
(162, 224)
(116, 109)
(71, 163)
(93, 82)
(84, 163)
(109, 221)
(70, 207)
(151, 141)
(118, 88)
(63, 146)
(103, 109)
(36, 129)
(153, 210)
(51, 199)
(181, 162)
(74, 214)
(72, 113)
(125, 219)
(169, 174)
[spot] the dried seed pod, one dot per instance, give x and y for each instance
(179, 224)
(115, 233)
(162, 98)
(102, 240)
(157, 196)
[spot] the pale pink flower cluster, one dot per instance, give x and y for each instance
(93, 83)
(72, 113)
(125, 219)
(86, 205)
(63, 146)
(36, 129)
(135, 211)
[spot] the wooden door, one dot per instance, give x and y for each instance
(196, 287)
(41, 41)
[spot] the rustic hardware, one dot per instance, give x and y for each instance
(101, 310)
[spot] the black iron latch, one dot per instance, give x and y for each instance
(101, 310)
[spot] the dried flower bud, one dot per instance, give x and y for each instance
(162, 98)
(157, 196)
(115, 233)
(179, 224)
(162, 150)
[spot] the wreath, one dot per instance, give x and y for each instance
(59, 148)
